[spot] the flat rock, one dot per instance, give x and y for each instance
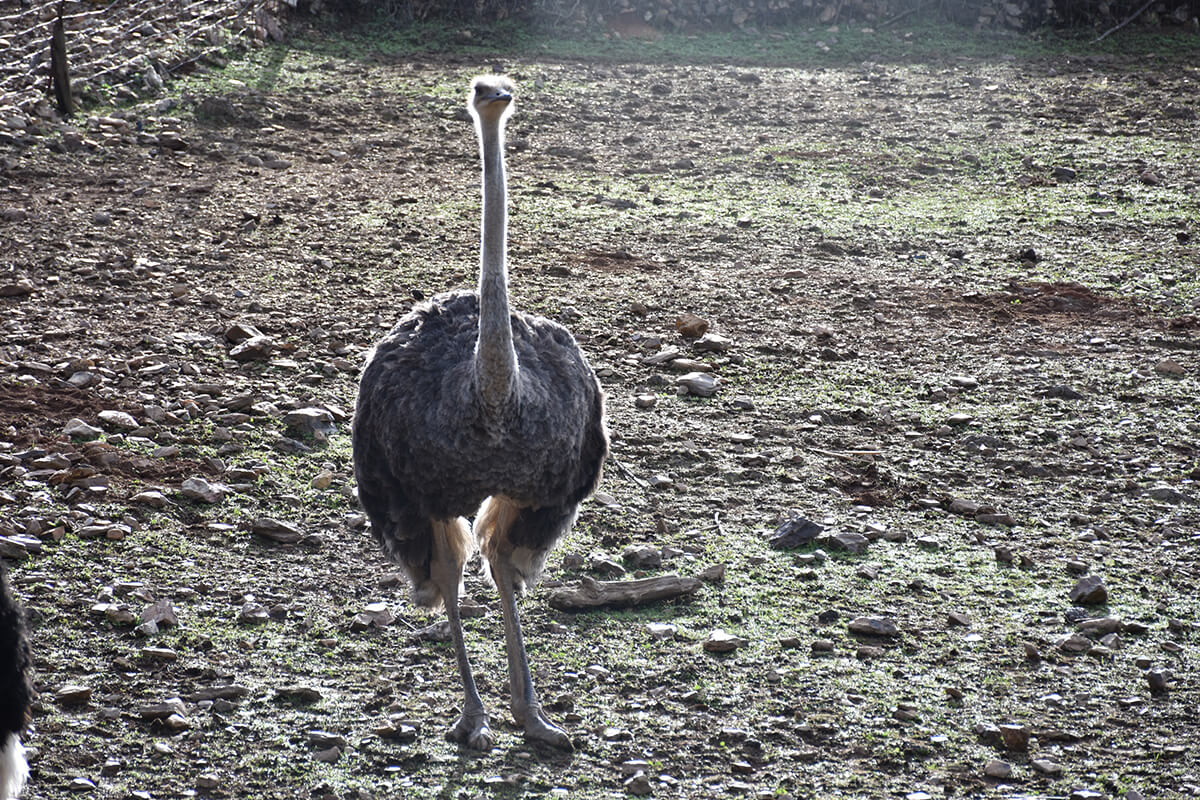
(200, 490)
(161, 613)
(298, 693)
(712, 343)
(1089, 591)
(118, 420)
(310, 420)
(150, 497)
(73, 694)
(19, 288)
(642, 557)
(874, 626)
(797, 530)
(276, 530)
(848, 541)
(78, 429)
(256, 348)
(240, 331)
(375, 615)
(721, 642)
(1046, 767)
(253, 614)
(995, 768)
(701, 384)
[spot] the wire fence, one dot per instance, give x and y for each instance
(120, 49)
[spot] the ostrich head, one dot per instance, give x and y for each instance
(491, 97)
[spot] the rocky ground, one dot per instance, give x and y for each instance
(901, 364)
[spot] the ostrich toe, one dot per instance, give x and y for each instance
(471, 730)
(539, 728)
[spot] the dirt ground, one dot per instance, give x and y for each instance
(959, 306)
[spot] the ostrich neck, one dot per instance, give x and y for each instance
(495, 358)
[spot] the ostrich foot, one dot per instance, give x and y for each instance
(471, 730)
(539, 728)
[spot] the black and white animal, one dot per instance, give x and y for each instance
(16, 691)
(466, 407)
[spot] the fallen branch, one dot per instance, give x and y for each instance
(592, 593)
(1127, 20)
(901, 15)
(624, 470)
(859, 456)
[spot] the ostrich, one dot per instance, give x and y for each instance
(467, 407)
(15, 692)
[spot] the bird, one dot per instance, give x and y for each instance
(468, 407)
(16, 692)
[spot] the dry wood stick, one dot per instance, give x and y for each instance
(1126, 21)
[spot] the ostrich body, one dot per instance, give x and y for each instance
(16, 691)
(467, 407)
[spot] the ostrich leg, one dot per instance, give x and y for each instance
(471, 728)
(526, 709)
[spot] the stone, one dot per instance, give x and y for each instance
(995, 768)
(310, 420)
(639, 785)
(1101, 626)
(118, 419)
(1046, 767)
(240, 331)
(73, 694)
(1157, 681)
(256, 348)
(161, 613)
(200, 490)
(276, 530)
(712, 343)
(1015, 737)
(253, 614)
(849, 541)
(700, 384)
(374, 615)
(661, 630)
(645, 401)
(1170, 367)
(78, 429)
(18, 288)
(874, 626)
(796, 531)
(721, 642)
(642, 557)
(1074, 643)
(691, 326)
(150, 497)
(1089, 591)
(328, 756)
(964, 508)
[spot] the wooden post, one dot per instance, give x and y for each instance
(60, 77)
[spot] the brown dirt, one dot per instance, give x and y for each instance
(849, 228)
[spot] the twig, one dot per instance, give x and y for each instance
(624, 470)
(1127, 20)
(902, 15)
